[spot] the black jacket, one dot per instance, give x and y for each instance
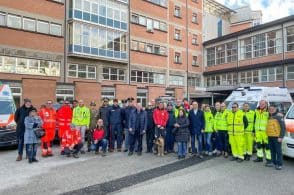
(150, 121)
(19, 117)
(104, 115)
(182, 133)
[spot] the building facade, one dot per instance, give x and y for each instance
(32, 48)
(165, 48)
(259, 56)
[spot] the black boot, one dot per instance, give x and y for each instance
(258, 159)
(248, 157)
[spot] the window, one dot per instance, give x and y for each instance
(159, 2)
(2, 19)
(271, 74)
(142, 97)
(259, 45)
(231, 52)
(176, 80)
(211, 56)
(78, 4)
(178, 34)
(113, 74)
(194, 82)
(82, 71)
(29, 66)
(194, 39)
(178, 59)
(290, 38)
(142, 20)
(108, 92)
(177, 12)
(194, 18)
(246, 48)
(147, 77)
(14, 21)
(148, 47)
(279, 73)
(149, 24)
(156, 24)
(163, 26)
(290, 72)
(220, 54)
(220, 27)
(194, 61)
(55, 29)
(43, 27)
(255, 76)
(29, 24)
(63, 94)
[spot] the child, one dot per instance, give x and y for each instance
(99, 138)
(30, 140)
(71, 142)
(182, 133)
(208, 129)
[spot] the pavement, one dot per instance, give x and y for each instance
(147, 174)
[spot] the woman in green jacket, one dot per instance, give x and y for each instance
(209, 121)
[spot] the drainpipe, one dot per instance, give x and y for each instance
(187, 50)
(283, 56)
(129, 43)
(65, 34)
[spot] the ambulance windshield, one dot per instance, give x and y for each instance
(252, 105)
(6, 107)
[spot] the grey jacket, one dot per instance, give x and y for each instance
(29, 135)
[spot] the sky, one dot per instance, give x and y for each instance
(271, 9)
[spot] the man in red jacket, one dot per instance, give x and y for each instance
(71, 142)
(160, 116)
(48, 116)
(64, 117)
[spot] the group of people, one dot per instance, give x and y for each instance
(217, 130)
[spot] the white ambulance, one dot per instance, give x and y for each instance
(252, 95)
(288, 141)
(7, 110)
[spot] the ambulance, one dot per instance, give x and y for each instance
(7, 123)
(277, 96)
(288, 141)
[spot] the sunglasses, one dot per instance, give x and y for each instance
(234, 107)
(49, 103)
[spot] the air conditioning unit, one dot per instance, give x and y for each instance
(150, 30)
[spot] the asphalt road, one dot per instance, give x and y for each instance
(147, 174)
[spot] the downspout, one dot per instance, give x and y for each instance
(283, 56)
(187, 50)
(65, 42)
(129, 43)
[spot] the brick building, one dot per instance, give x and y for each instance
(262, 55)
(165, 48)
(32, 47)
(89, 49)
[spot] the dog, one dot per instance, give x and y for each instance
(159, 142)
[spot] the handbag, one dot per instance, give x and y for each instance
(39, 132)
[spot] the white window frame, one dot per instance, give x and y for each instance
(43, 22)
(58, 26)
(9, 16)
(29, 20)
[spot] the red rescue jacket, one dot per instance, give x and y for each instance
(64, 116)
(98, 134)
(48, 117)
(71, 137)
(160, 117)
